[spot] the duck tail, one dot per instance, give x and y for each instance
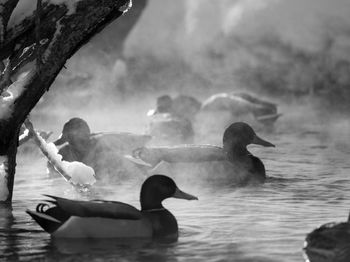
(48, 223)
(49, 218)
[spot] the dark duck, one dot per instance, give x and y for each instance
(231, 162)
(104, 152)
(235, 141)
(111, 219)
(329, 243)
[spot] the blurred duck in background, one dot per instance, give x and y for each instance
(104, 152)
(329, 243)
(186, 107)
(241, 105)
(230, 164)
(170, 122)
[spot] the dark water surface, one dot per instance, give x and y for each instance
(309, 185)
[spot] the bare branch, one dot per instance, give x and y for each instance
(37, 34)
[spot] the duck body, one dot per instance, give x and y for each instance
(170, 122)
(168, 129)
(206, 166)
(154, 224)
(232, 162)
(328, 243)
(241, 105)
(111, 219)
(228, 102)
(186, 106)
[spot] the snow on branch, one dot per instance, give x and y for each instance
(3, 178)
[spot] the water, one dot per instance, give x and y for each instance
(308, 185)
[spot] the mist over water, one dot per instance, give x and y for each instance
(275, 48)
(293, 53)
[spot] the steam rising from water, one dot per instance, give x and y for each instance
(276, 48)
(272, 45)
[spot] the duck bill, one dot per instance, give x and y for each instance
(180, 194)
(137, 161)
(60, 141)
(259, 141)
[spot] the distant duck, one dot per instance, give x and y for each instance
(329, 243)
(169, 124)
(110, 219)
(240, 104)
(186, 106)
(104, 152)
(233, 161)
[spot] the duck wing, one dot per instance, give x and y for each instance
(182, 153)
(123, 142)
(97, 208)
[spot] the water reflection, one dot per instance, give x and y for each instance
(133, 250)
(7, 235)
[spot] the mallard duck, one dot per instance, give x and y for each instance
(110, 219)
(232, 161)
(104, 152)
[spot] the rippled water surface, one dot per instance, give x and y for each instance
(308, 185)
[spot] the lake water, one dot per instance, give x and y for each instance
(308, 185)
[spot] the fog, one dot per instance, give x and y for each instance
(290, 52)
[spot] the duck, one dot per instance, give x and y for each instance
(241, 104)
(167, 125)
(183, 106)
(232, 161)
(186, 106)
(104, 152)
(112, 219)
(77, 137)
(328, 243)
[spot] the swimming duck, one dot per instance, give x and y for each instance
(77, 136)
(329, 243)
(233, 161)
(104, 152)
(167, 126)
(183, 106)
(240, 104)
(110, 219)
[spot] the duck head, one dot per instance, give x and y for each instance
(156, 188)
(164, 104)
(76, 132)
(239, 135)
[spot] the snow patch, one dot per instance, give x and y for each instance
(70, 4)
(80, 173)
(57, 33)
(26, 8)
(8, 97)
(4, 192)
(125, 8)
